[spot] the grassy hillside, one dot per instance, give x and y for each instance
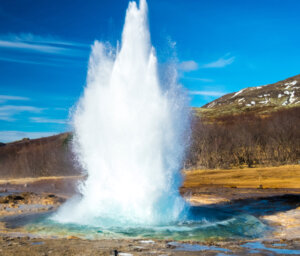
(260, 100)
(50, 156)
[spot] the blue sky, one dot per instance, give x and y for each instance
(221, 47)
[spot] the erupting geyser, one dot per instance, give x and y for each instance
(129, 135)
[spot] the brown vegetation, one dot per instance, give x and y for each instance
(226, 141)
(49, 156)
(246, 139)
(287, 176)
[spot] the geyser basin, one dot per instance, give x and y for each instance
(130, 132)
(201, 224)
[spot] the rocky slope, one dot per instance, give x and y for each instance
(261, 99)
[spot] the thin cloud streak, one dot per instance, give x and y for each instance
(31, 47)
(31, 38)
(25, 61)
(12, 45)
(12, 97)
(7, 112)
(187, 66)
(220, 63)
(207, 80)
(47, 120)
(51, 63)
(39, 43)
(207, 93)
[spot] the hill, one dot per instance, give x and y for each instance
(252, 127)
(257, 126)
(261, 100)
(49, 156)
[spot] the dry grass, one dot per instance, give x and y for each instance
(287, 176)
(32, 180)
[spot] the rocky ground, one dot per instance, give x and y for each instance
(73, 246)
(28, 202)
(280, 208)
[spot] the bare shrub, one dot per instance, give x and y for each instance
(246, 139)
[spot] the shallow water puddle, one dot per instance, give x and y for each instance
(196, 247)
(255, 246)
(8, 193)
(279, 245)
(37, 243)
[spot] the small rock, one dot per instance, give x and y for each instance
(147, 242)
(72, 237)
(138, 248)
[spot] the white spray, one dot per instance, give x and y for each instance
(129, 135)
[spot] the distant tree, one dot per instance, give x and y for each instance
(245, 139)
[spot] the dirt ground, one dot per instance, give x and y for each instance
(11, 246)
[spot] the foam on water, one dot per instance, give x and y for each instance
(129, 135)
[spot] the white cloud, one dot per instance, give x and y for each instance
(207, 93)
(187, 66)
(45, 61)
(17, 43)
(46, 44)
(7, 112)
(9, 136)
(11, 97)
(31, 38)
(220, 63)
(23, 61)
(198, 79)
(30, 47)
(47, 120)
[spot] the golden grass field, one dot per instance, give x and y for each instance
(286, 176)
(19, 181)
